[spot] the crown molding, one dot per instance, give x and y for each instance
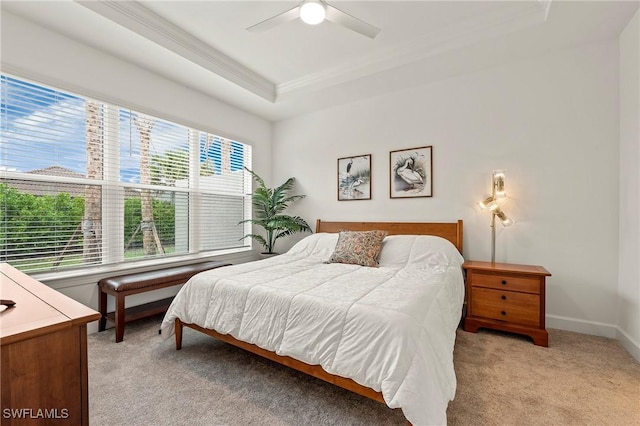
(141, 20)
(453, 37)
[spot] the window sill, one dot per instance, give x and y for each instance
(76, 277)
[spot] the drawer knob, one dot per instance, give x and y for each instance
(503, 282)
(503, 312)
(503, 297)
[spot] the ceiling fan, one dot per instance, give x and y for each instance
(313, 12)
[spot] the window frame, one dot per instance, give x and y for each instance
(113, 250)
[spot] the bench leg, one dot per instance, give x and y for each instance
(102, 306)
(178, 332)
(119, 318)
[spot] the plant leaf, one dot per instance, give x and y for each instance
(268, 205)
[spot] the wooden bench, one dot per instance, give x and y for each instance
(125, 285)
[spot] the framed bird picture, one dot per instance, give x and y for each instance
(354, 178)
(411, 172)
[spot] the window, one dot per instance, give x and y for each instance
(86, 183)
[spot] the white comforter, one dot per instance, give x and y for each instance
(390, 328)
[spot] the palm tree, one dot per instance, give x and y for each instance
(144, 125)
(269, 203)
(92, 220)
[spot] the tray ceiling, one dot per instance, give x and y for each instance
(294, 68)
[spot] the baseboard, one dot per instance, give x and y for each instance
(92, 327)
(582, 326)
(629, 344)
(595, 328)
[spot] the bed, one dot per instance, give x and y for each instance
(384, 332)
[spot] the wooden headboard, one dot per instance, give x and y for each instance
(451, 231)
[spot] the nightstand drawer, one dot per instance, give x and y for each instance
(520, 308)
(506, 282)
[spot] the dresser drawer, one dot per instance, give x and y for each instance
(506, 282)
(520, 308)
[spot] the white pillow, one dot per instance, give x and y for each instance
(399, 251)
(321, 244)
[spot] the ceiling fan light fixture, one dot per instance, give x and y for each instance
(312, 12)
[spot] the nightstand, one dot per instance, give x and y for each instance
(506, 297)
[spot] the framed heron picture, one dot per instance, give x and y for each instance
(354, 178)
(411, 172)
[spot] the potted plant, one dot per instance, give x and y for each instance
(269, 203)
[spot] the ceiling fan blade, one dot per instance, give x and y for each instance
(351, 22)
(274, 21)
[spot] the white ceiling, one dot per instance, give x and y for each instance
(296, 68)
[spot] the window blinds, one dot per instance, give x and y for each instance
(86, 183)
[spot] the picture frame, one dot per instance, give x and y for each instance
(411, 172)
(354, 178)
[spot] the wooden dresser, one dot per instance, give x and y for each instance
(43, 345)
(506, 297)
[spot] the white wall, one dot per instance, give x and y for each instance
(629, 245)
(552, 122)
(33, 52)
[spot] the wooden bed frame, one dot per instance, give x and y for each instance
(450, 231)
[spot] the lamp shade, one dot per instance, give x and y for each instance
(498, 184)
(485, 203)
(506, 221)
(312, 12)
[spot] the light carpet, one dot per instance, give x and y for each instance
(503, 379)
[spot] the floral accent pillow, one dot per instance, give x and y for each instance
(358, 248)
